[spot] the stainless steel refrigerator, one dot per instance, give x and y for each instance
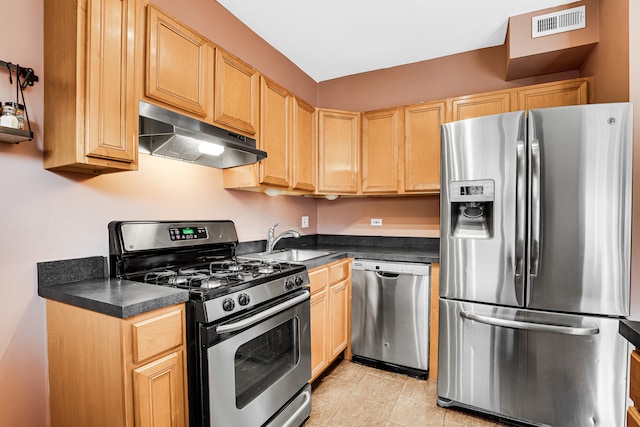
(535, 264)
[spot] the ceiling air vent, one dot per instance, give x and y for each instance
(558, 22)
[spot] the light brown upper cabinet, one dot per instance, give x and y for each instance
(567, 92)
(90, 55)
(274, 134)
(179, 68)
(338, 151)
(382, 137)
(304, 146)
(237, 93)
(483, 104)
(187, 72)
(422, 147)
(288, 135)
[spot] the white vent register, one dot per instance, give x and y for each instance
(558, 22)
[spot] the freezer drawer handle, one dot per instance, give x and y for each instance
(538, 327)
(241, 324)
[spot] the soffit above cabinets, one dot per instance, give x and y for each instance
(563, 49)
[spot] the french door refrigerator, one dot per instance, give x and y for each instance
(535, 264)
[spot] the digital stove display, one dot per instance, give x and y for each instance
(188, 233)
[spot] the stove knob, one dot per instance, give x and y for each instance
(228, 304)
(299, 281)
(243, 299)
(288, 284)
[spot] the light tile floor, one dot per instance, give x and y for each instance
(353, 395)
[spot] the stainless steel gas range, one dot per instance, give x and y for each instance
(249, 349)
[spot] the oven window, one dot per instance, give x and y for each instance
(264, 360)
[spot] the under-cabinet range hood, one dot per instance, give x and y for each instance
(168, 134)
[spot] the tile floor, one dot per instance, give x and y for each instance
(353, 395)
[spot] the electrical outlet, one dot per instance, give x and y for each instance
(377, 222)
(305, 221)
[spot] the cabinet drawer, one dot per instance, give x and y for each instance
(319, 279)
(633, 417)
(339, 271)
(634, 377)
(156, 335)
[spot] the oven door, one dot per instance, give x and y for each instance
(260, 363)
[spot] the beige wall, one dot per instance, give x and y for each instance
(47, 216)
(462, 74)
(609, 61)
(401, 216)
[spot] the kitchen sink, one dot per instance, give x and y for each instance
(289, 255)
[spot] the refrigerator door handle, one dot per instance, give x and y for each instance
(528, 326)
(536, 246)
(521, 205)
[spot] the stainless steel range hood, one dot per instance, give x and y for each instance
(168, 134)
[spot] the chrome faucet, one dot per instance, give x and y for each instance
(272, 240)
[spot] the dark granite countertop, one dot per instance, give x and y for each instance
(373, 253)
(83, 283)
(401, 249)
(630, 329)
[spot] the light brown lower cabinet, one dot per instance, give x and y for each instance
(434, 321)
(330, 314)
(633, 412)
(107, 371)
(633, 417)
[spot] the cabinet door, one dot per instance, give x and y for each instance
(633, 417)
(178, 64)
(468, 107)
(634, 378)
(422, 147)
(338, 318)
(158, 392)
(382, 135)
(319, 332)
(303, 146)
(90, 57)
(338, 147)
(237, 93)
(111, 121)
(434, 321)
(274, 134)
(556, 94)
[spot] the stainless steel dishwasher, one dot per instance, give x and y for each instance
(390, 316)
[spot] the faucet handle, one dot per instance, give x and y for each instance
(273, 228)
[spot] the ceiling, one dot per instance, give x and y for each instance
(335, 38)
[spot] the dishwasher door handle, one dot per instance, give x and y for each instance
(386, 274)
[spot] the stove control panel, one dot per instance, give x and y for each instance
(293, 282)
(223, 306)
(188, 233)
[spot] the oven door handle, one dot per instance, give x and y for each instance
(244, 323)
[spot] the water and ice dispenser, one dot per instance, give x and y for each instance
(471, 209)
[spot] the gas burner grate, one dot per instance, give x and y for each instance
(205, 280)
